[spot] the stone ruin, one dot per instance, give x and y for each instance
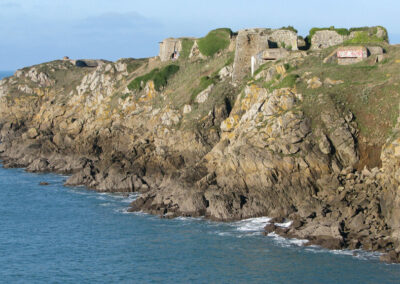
(330, 37)
(170, 48)
(255, 45)
(346, 55)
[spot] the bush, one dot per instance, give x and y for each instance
(289, 28)
(159, 77)
(214, 41)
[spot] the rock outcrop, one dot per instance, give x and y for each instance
(280, 144)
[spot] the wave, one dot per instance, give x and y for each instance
(252, 224)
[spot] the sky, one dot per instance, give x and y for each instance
(36, 31)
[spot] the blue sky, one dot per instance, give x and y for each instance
(35, 31)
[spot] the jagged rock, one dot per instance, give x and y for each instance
(203, 95)
(187, 109)
(314, 83)
(330, 82)
(325, 145)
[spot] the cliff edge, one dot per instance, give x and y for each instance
(230, 126)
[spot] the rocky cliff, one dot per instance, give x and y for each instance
(309, 142)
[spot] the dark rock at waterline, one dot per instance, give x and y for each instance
(269, 228)
(44, 183)
(326, 242)
(391, 257)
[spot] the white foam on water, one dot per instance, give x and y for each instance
(284, 242)
(224, 234)
(106, 204)
(252, 224)
(122, 210)
(131, 197)
(285, 224)
(101, 198)
(359, 254)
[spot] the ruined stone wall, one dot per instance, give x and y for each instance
(284, 38)
(326, 38)
(251, 42)
(168, 46)
(248, 43)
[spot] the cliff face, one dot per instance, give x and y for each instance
(301, 140)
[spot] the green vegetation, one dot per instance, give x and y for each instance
(187, 45)
(288, 82)
(289, 28)
(230, 60)
(341, 31)
(363, 34)
(369, 90)
(214, 41)
(158, 76)
(205, 82)
(133, 66)
(362, 37)
(372, 31)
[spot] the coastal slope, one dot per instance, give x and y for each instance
(303, 138)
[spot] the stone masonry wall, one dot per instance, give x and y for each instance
(168, 46)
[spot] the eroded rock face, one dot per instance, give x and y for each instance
(256, 156)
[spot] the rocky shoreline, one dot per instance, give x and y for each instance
(277, 145)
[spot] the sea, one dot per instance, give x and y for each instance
(57, 234)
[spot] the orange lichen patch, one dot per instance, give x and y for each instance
(230, 123)
(150, 92)
(252, 93)
(280, 69)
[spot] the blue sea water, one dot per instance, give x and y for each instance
(56, 234)
(5, 74)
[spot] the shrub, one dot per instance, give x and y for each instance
(158, 76)
(289, 28)
(214, 41)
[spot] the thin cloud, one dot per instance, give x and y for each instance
(10, 5)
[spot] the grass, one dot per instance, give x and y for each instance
(187, 45)
(205, 82)
(158, 76)
(341, 31)
(369, 92)
(362, 37)
(288, 82)
(214, 41)
(134, 64)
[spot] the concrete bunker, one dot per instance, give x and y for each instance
(252, 43)
(346, 55)
(351, 54)
(86, 63)
(170, 49)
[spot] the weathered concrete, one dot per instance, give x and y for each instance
(267, 55)
(250, 42)
(168, 47)
(326, 38)
(351, 54)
